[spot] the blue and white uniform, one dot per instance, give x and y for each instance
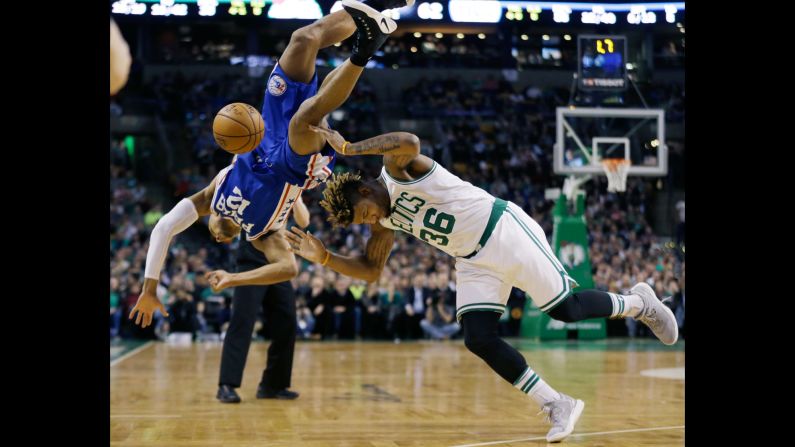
(260, 187)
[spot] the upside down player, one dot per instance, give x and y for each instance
(497, 246)
(256, 192)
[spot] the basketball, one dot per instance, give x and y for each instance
(238, 128)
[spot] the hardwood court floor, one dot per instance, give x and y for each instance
(389, 395)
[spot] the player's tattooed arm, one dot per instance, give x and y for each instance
(401, 151)
(400, 147)
(367, 266)
(394, 143)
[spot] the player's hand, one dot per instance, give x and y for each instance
(146, 306)
(306, 245)
(333, 137)
(219, 279)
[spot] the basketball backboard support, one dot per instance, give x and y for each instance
(585, 135)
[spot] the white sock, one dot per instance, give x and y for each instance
(625, 305)
(534, 386)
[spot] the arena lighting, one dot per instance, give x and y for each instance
(460, 35)
(481, 36)
(430, 11)
(257, 6)
(514, 13)
(534, 12)
(545, 37)
(168, 8)
(413, 49)
(561, 13)
(639, 14)
(238, 8)
(128, 7)
(670, 13)
(481, 11)
(439, 35)
(524, 37)
(417, 35)
(532, 6)
(474, 11)
(207, 8)
(295, 9)
(598, 15)
(567, 37)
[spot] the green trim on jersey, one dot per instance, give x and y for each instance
(493, 307)
(413, 181)
(498, 207)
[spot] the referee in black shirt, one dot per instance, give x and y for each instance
(278, 304)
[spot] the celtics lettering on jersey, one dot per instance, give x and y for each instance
(440, 209)
(437, 224)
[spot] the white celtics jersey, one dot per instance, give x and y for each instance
(440, 209)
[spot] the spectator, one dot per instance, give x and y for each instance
(418, 298)
(439, 322)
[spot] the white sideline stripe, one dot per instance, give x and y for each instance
(130, 354)
(539, 438)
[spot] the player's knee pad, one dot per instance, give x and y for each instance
(568, 311)
(480, 331)
(478, 343)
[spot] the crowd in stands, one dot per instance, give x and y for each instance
(514, 49)
(491, 135)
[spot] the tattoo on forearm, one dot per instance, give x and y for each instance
(376, 146)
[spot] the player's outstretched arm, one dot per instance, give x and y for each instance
(281, 268)
(400, 149)
(367, 267)
(182, 216)
(402, 144)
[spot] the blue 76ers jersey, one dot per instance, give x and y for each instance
(259, 188)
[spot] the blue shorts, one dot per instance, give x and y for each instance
(260, 187)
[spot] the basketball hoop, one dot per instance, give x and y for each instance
(616, 170)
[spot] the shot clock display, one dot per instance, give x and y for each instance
(602, 62)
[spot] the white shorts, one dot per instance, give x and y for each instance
(516, 255)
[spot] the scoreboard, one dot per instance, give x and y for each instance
(601, 62)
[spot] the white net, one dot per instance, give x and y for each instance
(616, 170)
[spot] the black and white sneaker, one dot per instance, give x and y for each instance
(373, 30)
(382, 5)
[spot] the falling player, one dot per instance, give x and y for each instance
(497, 246)
(256, 192)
